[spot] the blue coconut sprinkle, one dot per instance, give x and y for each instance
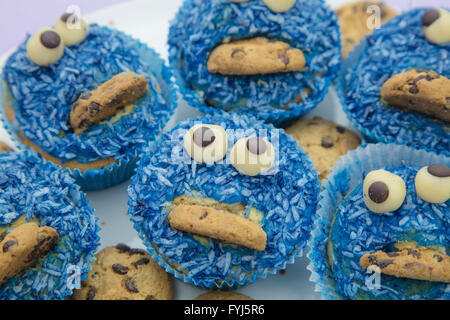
(43, 96)
(47, 194)
(396, 47)
(288, 205)
(199, 26)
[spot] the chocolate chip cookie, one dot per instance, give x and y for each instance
(23, 246)
(255, 56)
(355, 19)
(422, 91)
(413, 263)
(324, 141)
(105, 101)
(122, 273)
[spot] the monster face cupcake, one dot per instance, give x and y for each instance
(382, 231)
(270, 59)
(358, 19)
(87, 98)
(224, 200)
(395, 86)
(48, 233)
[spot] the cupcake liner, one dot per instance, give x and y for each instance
(376, 122)
(347, 174)
(327, 51)
(159, 239)
(96, 179)
(63, 269)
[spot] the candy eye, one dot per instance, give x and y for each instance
(383, 191)
(45, 47)
(206, 143)
(252, 156)
(279, 5)
(436, 23)
(433, 183)
(72, 29)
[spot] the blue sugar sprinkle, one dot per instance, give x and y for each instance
(43, 96)
(59, 204)
(201, 25)
(397, 46)
(269, 194)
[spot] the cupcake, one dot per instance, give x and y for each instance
(271, 59)
(123, 273)
(395, 88)
(222, 201)
(87, 98)
(360, 18)
(324, 141)
(48, 231)
(382, 227)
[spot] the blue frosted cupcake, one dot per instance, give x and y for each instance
(48, 231)
(222, 201)
(395, 85)
(273, 60)
(382, 227)
(87, 98)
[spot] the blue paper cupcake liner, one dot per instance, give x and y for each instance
(168, 246)
(50, 201)
(371, 117)
(256, 20)
(116, 173)
(347, 174)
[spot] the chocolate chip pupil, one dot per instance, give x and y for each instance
(65, 17)
(204, 136)
(439, 170)
(378, 192)
(256, 145)
(50, 39)
(430, 16)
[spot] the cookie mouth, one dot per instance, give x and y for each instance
(107, 100)
(255, 56)
(206, 218)
(411, 262)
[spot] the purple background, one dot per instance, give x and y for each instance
(18, 17)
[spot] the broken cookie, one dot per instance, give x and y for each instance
(218, 224)
(425, 92)
(105, 101)
(255, 56)
(23, 246)
(418, 263)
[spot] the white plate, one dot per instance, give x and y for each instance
(149, 21)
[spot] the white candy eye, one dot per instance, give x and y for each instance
(383, 191)
(252, 156)
(436, 24)
(433, 183)
(45, 47)
(72, 29)
(279, 5)
(206, 143)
